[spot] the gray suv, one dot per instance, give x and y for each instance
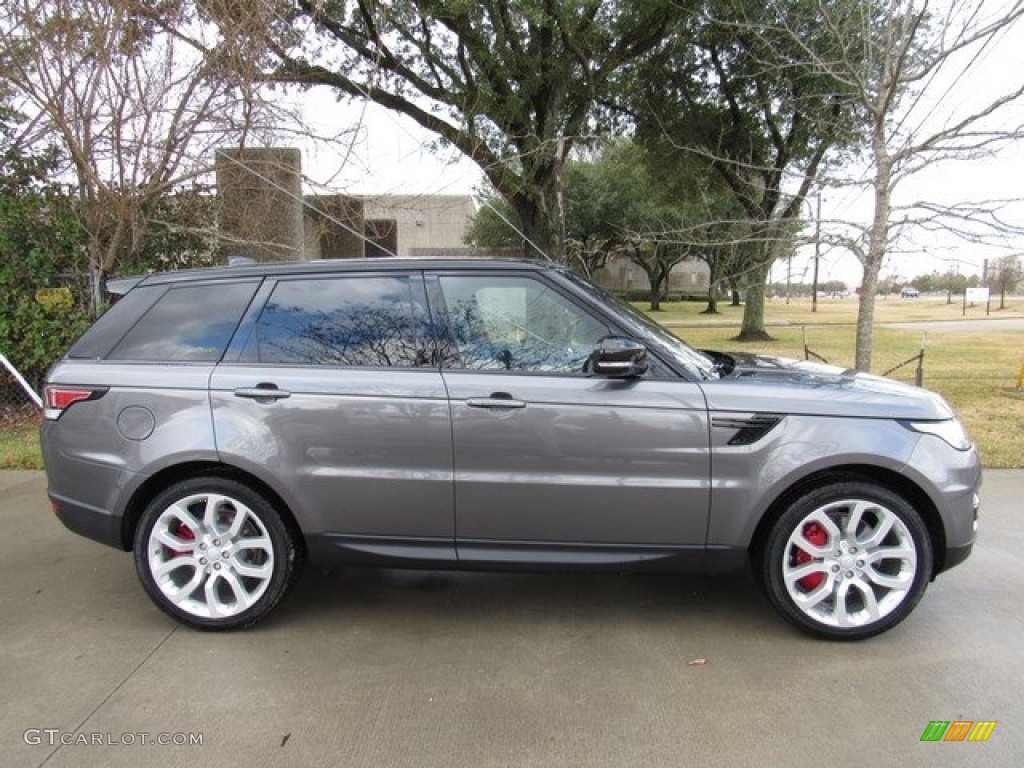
(228, 424)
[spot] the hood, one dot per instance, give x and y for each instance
(782, 385)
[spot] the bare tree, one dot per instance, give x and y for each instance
(899, 73)
(136, 112)
(1006, 276)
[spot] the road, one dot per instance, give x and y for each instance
(364, 668)
(980, 324)
(988, 324)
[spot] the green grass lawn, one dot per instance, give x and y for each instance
(19, 445)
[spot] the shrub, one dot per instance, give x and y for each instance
(40, 240)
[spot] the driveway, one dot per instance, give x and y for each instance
(363, 668)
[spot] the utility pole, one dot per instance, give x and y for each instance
(817, 255)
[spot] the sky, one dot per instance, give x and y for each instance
(374, 151)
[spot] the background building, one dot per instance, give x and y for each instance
(264, 214)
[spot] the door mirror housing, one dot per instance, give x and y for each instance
(617, 357)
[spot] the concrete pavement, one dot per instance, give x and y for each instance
(365, 668)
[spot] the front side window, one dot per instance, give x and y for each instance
(517, 324)
(349, 321)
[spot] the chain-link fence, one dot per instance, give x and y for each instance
(19, 403)
(900, 370)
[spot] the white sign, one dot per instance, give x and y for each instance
(977, 295)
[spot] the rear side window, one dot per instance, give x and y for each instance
(189, 323)
(350, 321)
(96, 343)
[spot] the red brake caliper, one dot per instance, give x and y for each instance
(816, 534)
(184, 533)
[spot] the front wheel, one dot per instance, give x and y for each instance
(847, 561)
(213, 553)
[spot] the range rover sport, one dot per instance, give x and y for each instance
(225, 425)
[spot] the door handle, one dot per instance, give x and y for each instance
(263, 392)
(496, 400)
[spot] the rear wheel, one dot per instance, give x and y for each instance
(847, 561)
(214, 554)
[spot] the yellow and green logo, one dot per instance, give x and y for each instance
(958, 730)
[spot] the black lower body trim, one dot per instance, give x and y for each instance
(487, 555)
(384, 551)
(956, 555)
(96, 524)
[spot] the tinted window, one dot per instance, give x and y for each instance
(518, 324)
(357, 321)
(191, 323)
(97, 342)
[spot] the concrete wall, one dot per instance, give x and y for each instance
(423, 224)
(261, 202)
(332, 225)
(265, 215)
(621, 274)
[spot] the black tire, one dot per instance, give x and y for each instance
(841, 584)
(214, 554)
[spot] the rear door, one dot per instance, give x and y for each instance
(547, 456)
(332, 392)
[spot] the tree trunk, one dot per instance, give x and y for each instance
(877, 241)
(97, 284)
(542, 228)
(656, 277)
(712, 308)
(97, 274)
(540, 206)
(865, 319)
(752, 328)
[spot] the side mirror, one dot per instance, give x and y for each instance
(619, 358)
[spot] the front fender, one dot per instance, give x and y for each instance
(748, 479)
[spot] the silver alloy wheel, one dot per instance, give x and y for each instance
(210, 555)
(849, 563)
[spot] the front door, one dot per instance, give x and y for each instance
(549, 456)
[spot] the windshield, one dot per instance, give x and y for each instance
(702, 365)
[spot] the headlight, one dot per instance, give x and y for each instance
(950, 430)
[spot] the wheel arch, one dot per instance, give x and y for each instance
(166, 477)
(887, 478)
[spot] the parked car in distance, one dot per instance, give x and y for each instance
(226, 425)
(910, 293)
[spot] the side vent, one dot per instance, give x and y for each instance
(749, 429)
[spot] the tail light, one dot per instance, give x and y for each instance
(59, 398)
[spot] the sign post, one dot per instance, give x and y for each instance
(974, 295)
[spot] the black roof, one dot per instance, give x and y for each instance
(321, 266)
